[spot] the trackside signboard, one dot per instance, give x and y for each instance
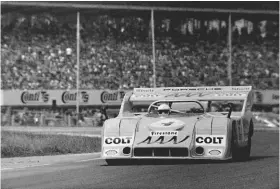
(111, 97)
(62, 97)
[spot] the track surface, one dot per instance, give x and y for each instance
(262, 171)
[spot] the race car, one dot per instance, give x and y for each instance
(181, 123)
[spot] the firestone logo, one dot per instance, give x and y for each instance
(67, 96)
(106, 96)
(29, 97)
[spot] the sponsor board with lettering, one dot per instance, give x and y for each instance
(69, 96)
(112, 96)
(25, 97)
(34, 97)
(62, 97)
(100, 97)
(210, 140)
(266, 97)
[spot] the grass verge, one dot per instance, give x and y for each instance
(23, 144)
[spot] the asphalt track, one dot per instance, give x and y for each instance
(262, 171)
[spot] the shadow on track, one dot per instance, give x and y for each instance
(177, 162)
(255, 158)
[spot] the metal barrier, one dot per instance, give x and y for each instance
(43, 118)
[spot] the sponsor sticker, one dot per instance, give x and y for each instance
(210, 140)
(111, 141)
(164, 133)
(229, 94)
(144, 90)
(215, 152)
(111, 152)
(163, 140)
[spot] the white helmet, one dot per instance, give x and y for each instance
(163, 108)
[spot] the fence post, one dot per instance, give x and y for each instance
(69, 121)
(12, 120)
(42, 120)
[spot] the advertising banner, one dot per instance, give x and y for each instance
(61, 97)
(93, 97)
(25, 98)
(266, 97)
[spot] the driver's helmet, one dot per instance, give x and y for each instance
(163, 109)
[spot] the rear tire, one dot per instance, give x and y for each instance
(241, 153)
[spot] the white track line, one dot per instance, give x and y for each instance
(10, 168)
(93, 159)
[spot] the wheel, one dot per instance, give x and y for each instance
(241, 153)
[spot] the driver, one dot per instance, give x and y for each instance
(163, 110)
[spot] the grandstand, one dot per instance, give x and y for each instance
(38, 45)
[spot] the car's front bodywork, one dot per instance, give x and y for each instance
(200, 135)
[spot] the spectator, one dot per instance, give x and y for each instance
(117, 57)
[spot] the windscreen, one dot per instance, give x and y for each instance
(178, 108)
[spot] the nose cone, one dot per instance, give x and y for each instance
(167, 124)
(164, 132)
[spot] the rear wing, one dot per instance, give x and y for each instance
(191, 93)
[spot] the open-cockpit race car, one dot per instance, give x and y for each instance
(181, 123)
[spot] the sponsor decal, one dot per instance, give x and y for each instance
(193, 94)
(240, 88)
(35, 97)
(215, 152)
(111, 152)
(211, 140)
(118, 140)
(164, 133)
(147, 95)
(173, 124)
(230, 94)
(67, 96)
(202, 94)
(114, 96)
(161, 140)
(144, 90)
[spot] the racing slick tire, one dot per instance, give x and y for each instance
(241, 153)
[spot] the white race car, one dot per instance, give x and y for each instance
(181, 123)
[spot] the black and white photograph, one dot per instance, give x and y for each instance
(139, 94)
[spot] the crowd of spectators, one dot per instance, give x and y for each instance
(112, 58)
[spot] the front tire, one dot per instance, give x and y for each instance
(241, 153)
